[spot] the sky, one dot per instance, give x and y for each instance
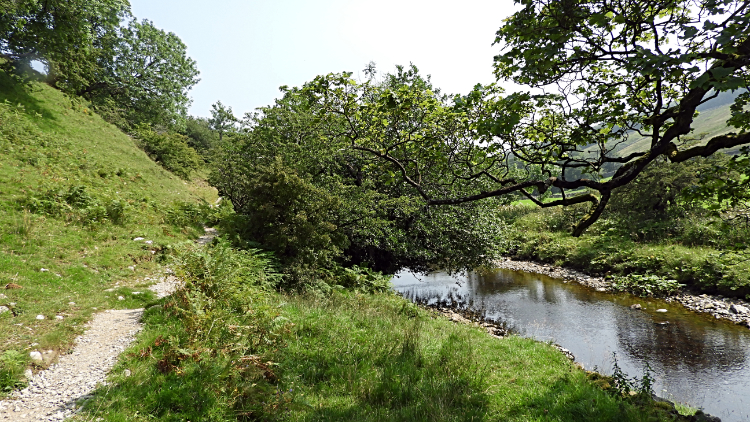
(246, 49)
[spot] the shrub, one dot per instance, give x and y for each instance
(171, 150)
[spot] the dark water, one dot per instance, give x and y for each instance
(695, 359)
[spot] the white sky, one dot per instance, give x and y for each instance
(246, 49)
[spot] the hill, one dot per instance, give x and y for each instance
(74, 194)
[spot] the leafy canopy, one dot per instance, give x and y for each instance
(597, 73)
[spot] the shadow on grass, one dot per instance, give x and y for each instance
(16, 92)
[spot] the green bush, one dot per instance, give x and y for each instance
(171, 150)
(294, 219)
(77, 204)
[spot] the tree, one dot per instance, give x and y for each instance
(144, 75)
(300, 145)
(199, 133)
(603, 71)
(222, 119)
(66, 35)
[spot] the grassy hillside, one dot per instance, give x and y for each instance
(710, 122)
(74, 193)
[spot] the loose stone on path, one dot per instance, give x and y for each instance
(52, 394)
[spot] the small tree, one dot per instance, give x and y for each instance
(222, 119)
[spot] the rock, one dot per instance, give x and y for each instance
(40, 317)
(13, 286)
(59, 317)
(636, 306)
(661, 310)
(126, 372)
(120, 298)
(137, 239)
(2, 296)
(131, 268)
(36, 357)
(739, 309)
(28, 374)
(44, 270)
(148, 242)
(4, 309)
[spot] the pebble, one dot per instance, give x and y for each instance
(40, 317)
(4, 309)
(52, 394)
(137, 239)
(661, 310)
(36, 357)
(2, 296)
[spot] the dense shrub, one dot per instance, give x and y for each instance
(171, 150)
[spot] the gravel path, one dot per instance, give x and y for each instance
(51, 395)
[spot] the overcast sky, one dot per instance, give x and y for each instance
(247, 49)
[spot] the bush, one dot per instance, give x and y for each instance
(171, 150)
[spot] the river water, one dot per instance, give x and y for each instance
(695, 359)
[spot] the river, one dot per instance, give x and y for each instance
(696, 359)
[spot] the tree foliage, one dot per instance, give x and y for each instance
(378, 220)
(66, 35)
(222, 119)
(598, 73)
(134, 74)
(145, 75)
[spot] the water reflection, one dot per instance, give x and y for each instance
(695, 358)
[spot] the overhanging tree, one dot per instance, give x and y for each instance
(599, 72)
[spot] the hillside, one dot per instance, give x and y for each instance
(74, 193)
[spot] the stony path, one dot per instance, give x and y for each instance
(51, 395)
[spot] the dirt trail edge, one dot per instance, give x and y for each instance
(52, 394)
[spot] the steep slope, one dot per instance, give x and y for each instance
(74, 193)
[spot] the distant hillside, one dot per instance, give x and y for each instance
(710, 122)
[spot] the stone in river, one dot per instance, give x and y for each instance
(739, 309)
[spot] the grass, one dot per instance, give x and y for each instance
(74, 193)
(344, 356)
(690, 250)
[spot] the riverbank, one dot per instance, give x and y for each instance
(344, 355)
(731, 309)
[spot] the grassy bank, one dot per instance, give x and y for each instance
(74, 193)
(225, 348)
(694, 250)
